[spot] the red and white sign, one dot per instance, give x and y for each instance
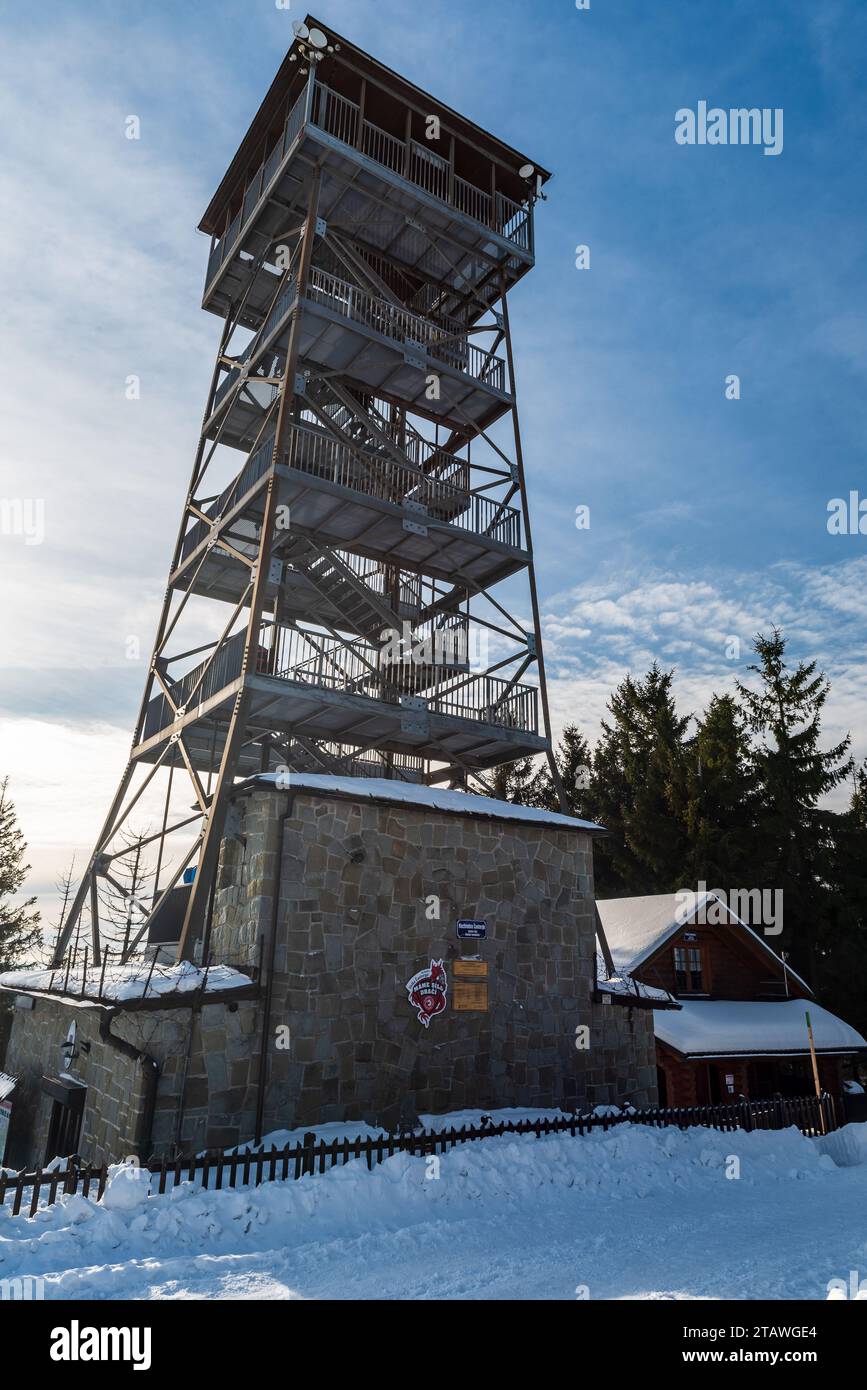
(427, 992)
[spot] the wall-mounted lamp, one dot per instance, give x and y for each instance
(68, 1050)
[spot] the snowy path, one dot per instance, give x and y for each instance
(636, 1213)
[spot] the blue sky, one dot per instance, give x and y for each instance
(708, 516)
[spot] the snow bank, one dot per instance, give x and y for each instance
(846, 1146)
(497, 1179)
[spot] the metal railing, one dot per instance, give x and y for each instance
(258, 185)
(378, 475)
(335, 113)
(225, 668)
(356, 668)
(339, 117)
(440, 338)
(257, 464)
(429, 170)
(383, 148)
(359, 669)
(357, 762)
(409, 329)
(443, 493)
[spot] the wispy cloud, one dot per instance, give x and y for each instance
(704, 629)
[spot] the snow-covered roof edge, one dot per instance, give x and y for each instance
(624, 986)
(752, 1028)
(396, 793)
(700, 900)
(124, 984)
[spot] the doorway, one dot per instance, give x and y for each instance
(64, 1125)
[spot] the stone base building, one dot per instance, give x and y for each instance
(381, 951)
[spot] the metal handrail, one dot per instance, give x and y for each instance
(355, 668)
(405, 327)
(339, 117)
(374, 475)
(261, 181)
(257, 464)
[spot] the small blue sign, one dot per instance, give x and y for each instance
(471, 930)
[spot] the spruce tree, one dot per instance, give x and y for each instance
(795, 841)
(718, 800)
(517, 782)
(637, 768)
(20, 935)
(575, 765)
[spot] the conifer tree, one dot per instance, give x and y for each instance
(718, 800)
(637, 767)
(20, 934)
(795, 840)
(575, 765)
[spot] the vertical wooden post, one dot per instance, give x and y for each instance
(815, 1070)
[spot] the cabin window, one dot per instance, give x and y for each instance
(688, 977)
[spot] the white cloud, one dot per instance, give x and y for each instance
(632, 626)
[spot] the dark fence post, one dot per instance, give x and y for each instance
(308, 1162)
(830, 1104)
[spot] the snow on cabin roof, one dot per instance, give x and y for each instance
(625, 985)
(636, 927)
(729, 1027)
(424, 798)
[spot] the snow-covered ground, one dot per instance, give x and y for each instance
(634, 1213)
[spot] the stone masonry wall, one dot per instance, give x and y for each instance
(358, 884)
(116, 1084)
(367, 895)
(215, 1071)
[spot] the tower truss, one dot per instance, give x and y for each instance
(352, 588)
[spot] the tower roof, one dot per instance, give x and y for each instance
(289, 81)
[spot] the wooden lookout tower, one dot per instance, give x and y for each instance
(352, 589)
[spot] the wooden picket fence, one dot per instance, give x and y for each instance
(812, 1115)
